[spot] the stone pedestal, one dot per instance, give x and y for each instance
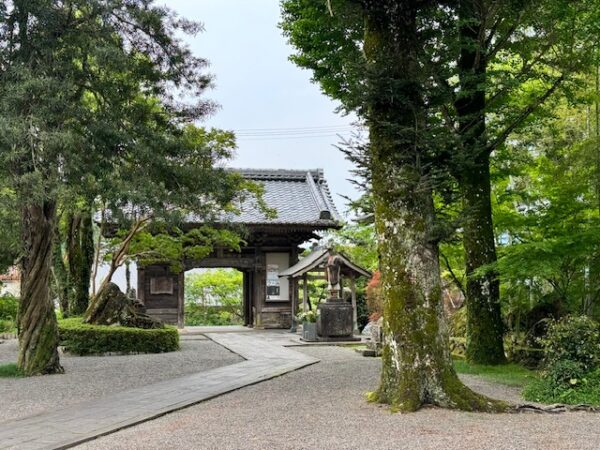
(335, 321)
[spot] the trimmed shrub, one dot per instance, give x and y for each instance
(83, 339)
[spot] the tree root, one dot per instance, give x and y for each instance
(556, 408)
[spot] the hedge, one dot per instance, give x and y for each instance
(83, 339)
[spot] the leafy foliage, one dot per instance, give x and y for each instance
(214, 297)
(308, 316)
(586, 391)
(9, 228)
(83, 339)
(575, 339)
(9, 307)
(374, 295)
(572, 363)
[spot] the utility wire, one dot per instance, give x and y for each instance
(259, 134)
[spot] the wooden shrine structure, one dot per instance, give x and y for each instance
(303, 206)
(316, 261)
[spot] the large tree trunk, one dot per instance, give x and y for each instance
(80, 251)
(60, 275)
(484, 321)
(37, 325)
(416, 364)
(485, 329)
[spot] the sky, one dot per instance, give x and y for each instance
(281, 118)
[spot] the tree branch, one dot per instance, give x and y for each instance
(524, 115)
(453, 275)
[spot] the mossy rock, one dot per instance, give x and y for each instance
(113, 307)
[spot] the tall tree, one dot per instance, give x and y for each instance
(488, 52)
(507, 49)
(416, 364)
(90, 103)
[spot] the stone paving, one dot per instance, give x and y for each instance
(265, 358)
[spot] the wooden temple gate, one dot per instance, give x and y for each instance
(304, 207)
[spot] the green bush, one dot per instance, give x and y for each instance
(196, 315)
(83, 339)
(575, 339)
(585, 390)
(564, 373)
(572, 363)
(362, 310)
(9, 306)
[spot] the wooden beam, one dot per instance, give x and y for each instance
(225, 262)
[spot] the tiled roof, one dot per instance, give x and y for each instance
(299, 197)
(318, 258)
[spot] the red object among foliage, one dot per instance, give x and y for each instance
(374, 298)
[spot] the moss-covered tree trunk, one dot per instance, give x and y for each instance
(484, 321)
(416, 364)
(60, 275)
(485, 329)
(80, 253)
(37, 325)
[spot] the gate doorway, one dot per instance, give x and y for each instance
(214, 297)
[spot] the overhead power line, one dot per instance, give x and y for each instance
(294, 133)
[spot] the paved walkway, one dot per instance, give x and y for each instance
(265, 358)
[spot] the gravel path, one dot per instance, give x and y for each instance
(323, 407)
(96, 376)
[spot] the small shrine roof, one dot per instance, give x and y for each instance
(318, 258)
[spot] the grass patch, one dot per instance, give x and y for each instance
(584, 391)
(507, 374)
(10, 371)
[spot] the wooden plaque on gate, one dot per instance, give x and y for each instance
(161, 285)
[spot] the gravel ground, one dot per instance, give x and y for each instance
(96, 376)
(323, 407)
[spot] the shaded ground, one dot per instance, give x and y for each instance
(323, 407)
(96, 376)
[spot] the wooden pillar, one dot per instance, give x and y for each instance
(245, 298)
(354, 306)
(260, 286)
(181, 301)
(305, 292)
(293, 287)
(250, 298)
(141, 288)
(294, 301)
